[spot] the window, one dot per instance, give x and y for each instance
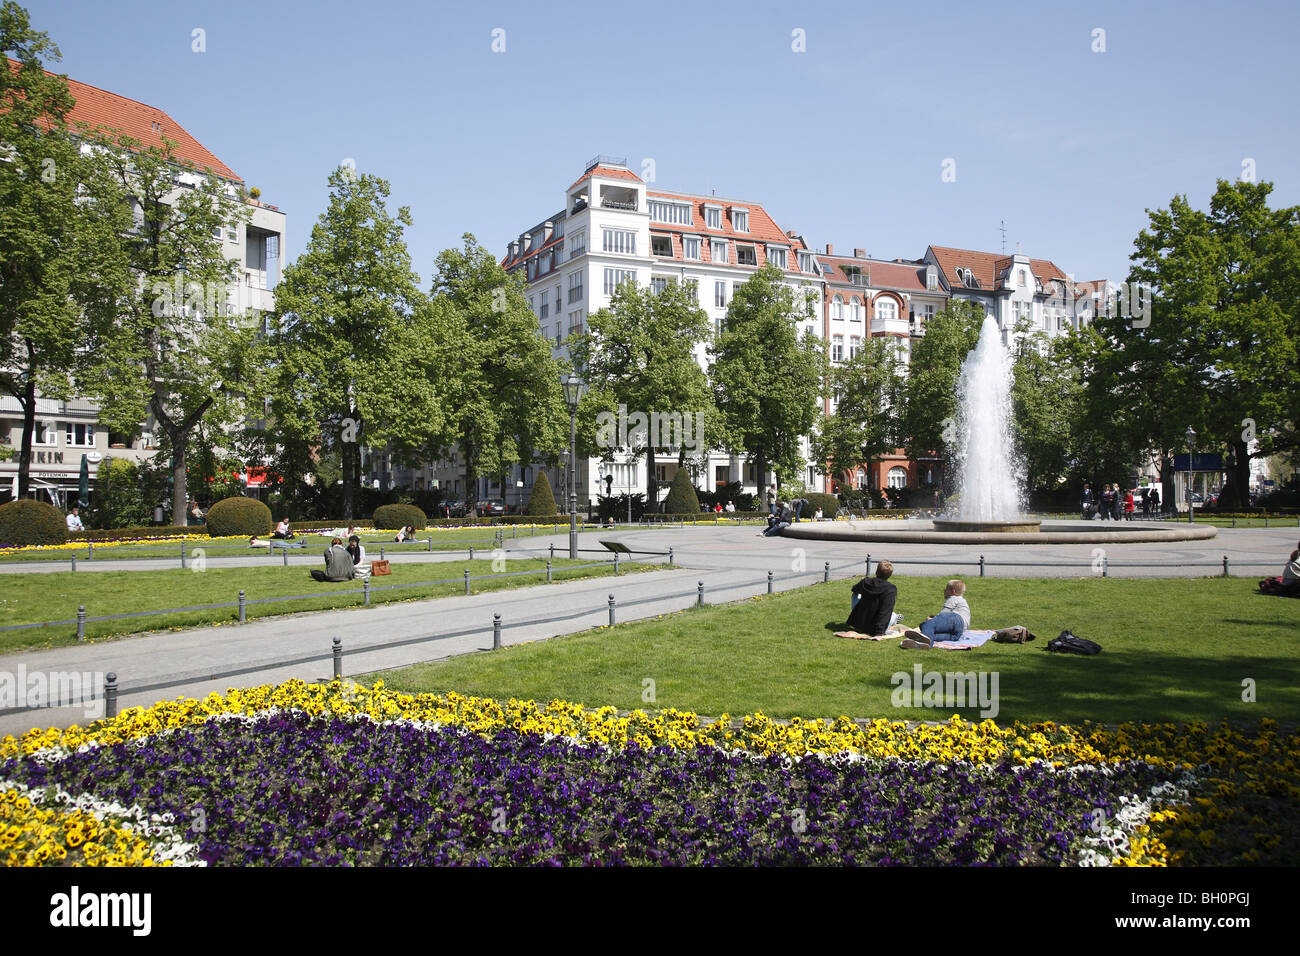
(546, 309)
(657, 285)
(82, 436)
(216, 230)
(713, 217)
(691, 247)
(777, 256)
(855, 346)
(693, 288)
(720, 294)
(931, 278)
(855, 311)
(718, 250)
(837, 348)
(661, 246)
(806, 262)
(886, 309)
(616, 277)
(545, 263)
(575, 286)
(232, 234)
(897, 478)
(1020, 278)
(837, 309)
(662, 210)
(575, 322)
(46, 433)
(577, 244)
(740, 219)
(746, 256)
(620, 240)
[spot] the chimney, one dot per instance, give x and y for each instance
(830, 250)
(859, 253)
(548, 228)
(514, 248)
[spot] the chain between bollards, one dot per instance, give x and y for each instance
(81, 622)
(611, 610)
(241, 605)
(496, 631)
(338, 657)
(110, 695)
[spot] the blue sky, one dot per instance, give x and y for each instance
(844, 142)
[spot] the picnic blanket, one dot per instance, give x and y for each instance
(969, 639)
(895, 631)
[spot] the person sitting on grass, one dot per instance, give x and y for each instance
(873, 609)
(953, 618)
(357, 550)
(339, 565)
(282, 532)
(1287, 584)
(406, 534)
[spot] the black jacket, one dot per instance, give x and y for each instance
(873, 612)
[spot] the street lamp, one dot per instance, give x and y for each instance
(1191, 475)
(572, 395)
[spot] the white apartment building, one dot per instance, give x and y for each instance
(615, 228)
(67, 430)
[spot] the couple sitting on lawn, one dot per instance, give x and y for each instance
(873, 613)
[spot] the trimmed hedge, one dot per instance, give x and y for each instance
(238, 516)
(394, 517)
(137, 533)
(828, 503)
(28, 521)
(541, 503)
(682, 498)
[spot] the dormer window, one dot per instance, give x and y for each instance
(713, 217)
(777, 256)
(740, 219)
(745, 256)
(931, 278)
(1020, 278)
(661, 246)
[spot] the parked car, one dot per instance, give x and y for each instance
(494, 508)
(453, 509)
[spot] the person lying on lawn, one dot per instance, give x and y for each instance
(953, 618)
(872, 614)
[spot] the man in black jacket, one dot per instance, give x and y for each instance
(872, 614)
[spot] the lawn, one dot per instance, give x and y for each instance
(1173, 650)
(55, 596)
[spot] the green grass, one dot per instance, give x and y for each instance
(1173, 650)
(453, 539)
(29, 598)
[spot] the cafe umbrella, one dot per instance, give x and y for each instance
(83, 484)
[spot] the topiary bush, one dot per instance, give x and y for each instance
(238, 516)
(541, 503)
(393, 517)
(28, 521)
(682, 499)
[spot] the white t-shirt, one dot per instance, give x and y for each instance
(74, 523)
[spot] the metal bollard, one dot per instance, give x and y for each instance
(548, 570)
(381, 554)
(1225, 565)
(338, 658)
(611, 610)
(110, 695)
(982, 565)
(74, 562)
(769, 582)
(616, 562)
(496, 631)
(182, 554)
(365, 587)
(868, 564)
(241, 605)
(1265, 519)
(285, 552)
(471, 552)
(552, 550)
(430, 544)
(670, 557)
(81, 622)
(1105, 566)
(467, 580)
(90, 551)
(701, 593)
(826, 573)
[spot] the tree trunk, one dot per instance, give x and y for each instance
(347, 505)
(1239, 477)
(28, 403)
(180, 493)
(651, 482)
(760, 475)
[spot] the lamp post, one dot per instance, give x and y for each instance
(1191, 463)
(572, 395)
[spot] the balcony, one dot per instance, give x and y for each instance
(626, 205)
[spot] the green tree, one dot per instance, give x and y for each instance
(541, 503)
(1046, 399)
(682, 498)
(766, 380)
(867, 390)
(640, 353)
(362, 357)
(1225, 324)
(61, 264)
(507, 403)
(930, 396)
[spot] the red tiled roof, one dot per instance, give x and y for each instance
(96, 107)
(610, 172)
(907, 277)
(987, 266)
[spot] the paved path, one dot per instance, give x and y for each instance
(732, 562)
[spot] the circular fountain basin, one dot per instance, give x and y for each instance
(1023, 525)
(918, 531)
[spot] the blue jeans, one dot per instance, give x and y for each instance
(945, 626)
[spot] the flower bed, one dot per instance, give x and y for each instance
(339, 773)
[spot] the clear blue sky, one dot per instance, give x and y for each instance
(843, 143)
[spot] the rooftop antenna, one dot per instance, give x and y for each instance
(1004, 237)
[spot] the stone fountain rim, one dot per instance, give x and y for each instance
(1050, 534)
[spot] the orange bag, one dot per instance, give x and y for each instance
(379, 567)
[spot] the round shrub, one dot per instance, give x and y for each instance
(28, 521)
(682, 499)
(394, 517)
(238, 516)
(828, 503)
(541, 503)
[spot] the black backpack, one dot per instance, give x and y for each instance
(1068, 643)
